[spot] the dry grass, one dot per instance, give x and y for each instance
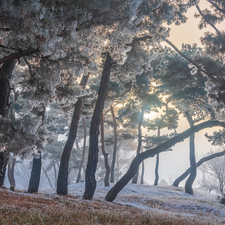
(18, 208)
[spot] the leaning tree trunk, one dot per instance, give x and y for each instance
(90, 182)
(107, 167)
(111, 195)
(11, 173)
(45, 172)
(55, 172)
(134, 181)
(35, 174)
(83, 154)
(192, 176)
(199, 163)
(6, 72)
(115, 146)
(157, 164)
(62, 181)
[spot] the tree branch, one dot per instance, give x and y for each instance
(211, 24)
(216, 6)
(18, 55)
(192, 62)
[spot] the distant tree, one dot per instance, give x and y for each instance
(214, 170)
(199, 163)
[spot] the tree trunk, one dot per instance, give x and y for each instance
(5, 77)
(152, 152)
(157, 164)
(157, 170)
(62, 181)
(4, 157)
(83, 154)
(199, 163)
(142, 172)
(191, 178)
(55, 172)
(134, 181)
(6, 72)
(90, 182)
(11, 173)
(35, 174)
(107, 167)
(115, 146)
(49, 181)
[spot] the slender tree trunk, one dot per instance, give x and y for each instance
(35, 174)
(90, 182)
(83, 154)
(199, 163)
(142, 172)
(11, 173)
(115, 146)
(152, 152)
(49, 181)
(62, 181)
(107, 167)
(191, 178)
(135, 179)
(55, 172)
(157, 164)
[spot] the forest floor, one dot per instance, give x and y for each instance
(136, 204)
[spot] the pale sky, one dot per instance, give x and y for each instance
(173, 164)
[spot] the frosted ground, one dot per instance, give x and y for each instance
(165, 200)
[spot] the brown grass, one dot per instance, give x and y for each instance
(18, 208)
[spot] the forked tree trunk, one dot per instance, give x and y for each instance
(152, 152)
(90, 182)
(115, 146)
(45, 172)
(135, 179)
(62, 182)
(83, 153)
(35, 174)
(11, 173)
(199, 163)
(107, 167)
(193, 172)
(157, 164)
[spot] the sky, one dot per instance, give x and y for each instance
(173, 164)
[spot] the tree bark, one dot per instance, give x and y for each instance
(142, 172)
(4, 157)
(90, 182)
(83, 154)
(55, 173)
(35, 174)
(107, 167)
(199, 163)
(192, 176)
(152, 152)
(62, 181)
(49, 181)
(11, 173)
(157, 164)
(135, 179)
(115, 146)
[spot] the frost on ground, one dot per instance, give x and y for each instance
(135, 204)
